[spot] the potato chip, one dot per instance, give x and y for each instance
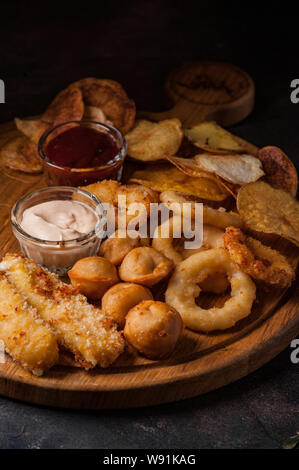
(66, 106)
(280, 171)
(21, 154)
(111, 98)
(236, 169)
(210, 137)
(150, 141)
(93, 113)
(269, 210)
(163, 177)
(190, 167)
(32, 128)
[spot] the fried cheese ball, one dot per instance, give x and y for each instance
(93, 276)
(153, 328)
(120, 298)
(118, 245)
(145, 265)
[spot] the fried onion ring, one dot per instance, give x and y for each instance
(216, 217)
(183, 289)
(173, 248)
(259, 261)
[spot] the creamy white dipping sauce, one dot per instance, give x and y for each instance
(59, 220)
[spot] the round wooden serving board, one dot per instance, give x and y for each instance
(201, 362)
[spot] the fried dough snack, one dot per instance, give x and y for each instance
(269, 210)
(145, 265)
(150, 141)
(78, 326)
(118, 245)
(216, 217)
(26, 339)
(21, 154)
(108, 191)
(183, 289)
(120, 298)
(153, 328)
(259, 261)
(111, 98)
(93, 276)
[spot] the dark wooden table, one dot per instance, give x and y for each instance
(137, 43)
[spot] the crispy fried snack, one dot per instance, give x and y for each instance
(150, 141)
(145, 265)
(120, 298)
(210, 137)
(111, 98)
(66, 106)
(183, 289)
(78, 326)
(258, 260)
(116, 247)
(280, 171)
(268, 210)
(93, 276)
(190, 167)
(153, 328)
(109, 191)
(237, 169)
(32, 128)
(173, 248)
(93, 113)
(216, 217)
(21, 154)
(163, 177)
(26, 338)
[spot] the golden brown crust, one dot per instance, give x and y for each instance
(21, 154)
(145, 265)
(118, 245)
(120, 298)
(93, 276)
(153, 328)
(280, 171)
(110, 96)
(259, 261)
(67, 106)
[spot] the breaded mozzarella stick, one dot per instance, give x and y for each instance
(25, 337)
(78, 326)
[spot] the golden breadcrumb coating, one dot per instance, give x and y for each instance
(78, 326)
(25, 337)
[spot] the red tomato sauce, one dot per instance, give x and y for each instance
(81, 147)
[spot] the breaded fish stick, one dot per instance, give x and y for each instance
(78, 326)
(25, 337)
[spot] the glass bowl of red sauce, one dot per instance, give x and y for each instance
(77, 153)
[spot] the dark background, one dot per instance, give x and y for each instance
(138, 43)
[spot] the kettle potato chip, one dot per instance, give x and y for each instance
(210, 137)
(269, 210)
(21, 154)
(163, 177)
(236, 169)
(32, 128)
(150, 141)
(111, 98)
(66, 106)
(280, 171)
